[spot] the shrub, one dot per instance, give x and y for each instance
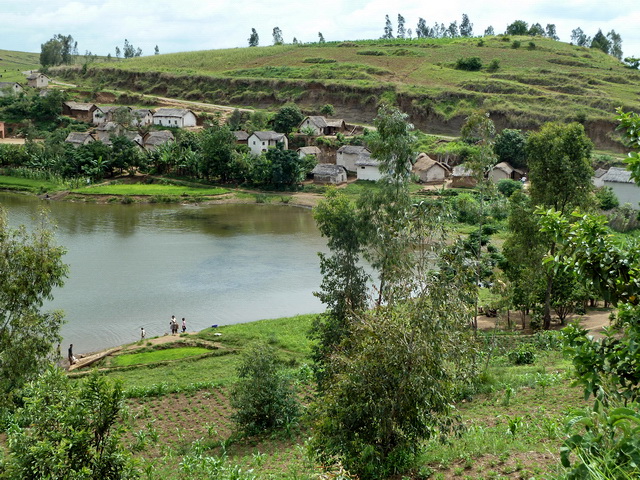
(470, 64)
(507, 186)
(531, 46)
(319, 60)
(264, 397)
(494, 65)
(606, 198)
(516, 44)
(523, 355)
(375, 53)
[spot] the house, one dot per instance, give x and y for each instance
(242, 137)
(312, 151)
(326, 173)
(368, 169)
(504, 171)
(597, 178)
(174, 117)
(10, 88)
(462, 177)
(619, 179)
(141, 117)
(152, 140)
(262, 141)
(107, 130)
(79, 138)
(322, 126)
(347, 156)
(38, 80)
(429, 170)
(79, 111)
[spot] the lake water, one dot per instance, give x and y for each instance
(134, 266)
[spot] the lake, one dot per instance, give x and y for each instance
(134, 266)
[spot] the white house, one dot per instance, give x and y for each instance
(10, 88)
(348, 155)
(504, 171)
(141, 117)
(38, 80)
(262, 141)
(322, 126)
(103, 114)
(174, 117)
(368, 169)
(619, 179)
(327, 173)
(597, 178)
(429, 170)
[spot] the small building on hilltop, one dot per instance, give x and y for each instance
(174, 117)
(153, 140)
(80, 111)
(429, 170)
(462, 177)
(368, 169)
(79, 138)
(504, 171)
(348, 155)
(260, 142)
(10, 88)
(619, 179)
(38, 80)
(329, 174)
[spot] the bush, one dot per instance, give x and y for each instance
(523, 355)
(470, 64)
(516, 44)
(318, 60)
(507, 186)
(531, 46)
(606, 198)
(494, 65)
(375, 53)
(263, 397)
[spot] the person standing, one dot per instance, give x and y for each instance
(71, 354)
(142, 333)
(184, 325)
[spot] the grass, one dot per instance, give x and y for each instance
(157, 356)
(12, 64)
(27, 184)
(143, 189)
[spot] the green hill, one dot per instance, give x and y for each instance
(12, 64)
(539, 81)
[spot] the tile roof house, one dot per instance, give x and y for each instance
(429, 170)
(262, 141)
(241, 137)
(142, 117)
(322, 126)
(313, 151)
(347, 156)
(368, 169)
(174, 117)
(326, 173)
(79, 138)
(79, 111)
(154, 139)
(106, 131)
(38, 80)
(504, 171)
(10, 88)
(627, 191)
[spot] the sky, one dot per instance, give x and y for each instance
(187, 25)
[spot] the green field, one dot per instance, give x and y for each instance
(143, 189)
(12, 64)
(27, 184)
(157, 356)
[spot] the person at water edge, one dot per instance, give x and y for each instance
(142, 333)
(184, 325)
(71, 354)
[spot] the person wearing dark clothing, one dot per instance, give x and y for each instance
(71, 354)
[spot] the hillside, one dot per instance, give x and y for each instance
(543, 81)
(12, 64)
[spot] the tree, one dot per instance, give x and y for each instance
(601, 42)
(388, 28)
(128, 51)
(254, 39)
(579, 38)
(559, 160)
(632, 62)
(488, 32)
(58, 50)
(551, 31)
(616, 44)
(320, 38)
(466, 27)
(452, 31)
(118, 52)
(156, 50)
(30, 268)
(401, 29)
(536, 29)
(327, 110)
(287, 168)
(519, 27)
(422, 31)
(217, 147)
(70, 430)
(263, 397)
(287, 118)
(510, 146)
(277, 36)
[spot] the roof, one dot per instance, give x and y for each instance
(33, 76)
(158, 138)
(107, 127)
(505, 167)
(365, 161)
(328, 169)
(353, 149)
(78, 137)
(336, 122)
(424, 162)
(269, 135)
(141, 112)
(241, 135)
(172, 112)
(461, 171)
(9, 84)
(599, 172)
(316, 120)
(80, 106)
(309, 150)
(617, 175)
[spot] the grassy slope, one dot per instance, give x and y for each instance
(554, 80)
(12, 64)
